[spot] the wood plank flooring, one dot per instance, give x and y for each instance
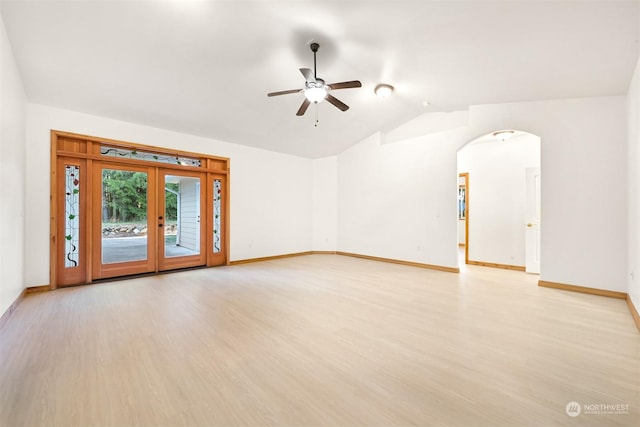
(318, 340)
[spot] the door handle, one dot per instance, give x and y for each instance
(529, 225)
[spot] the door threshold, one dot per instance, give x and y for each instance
(134, 276)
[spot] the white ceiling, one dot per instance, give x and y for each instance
(205, 67)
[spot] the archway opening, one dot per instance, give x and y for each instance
(499, 215)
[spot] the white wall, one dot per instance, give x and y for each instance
(271, 193)
(461, 233)
(325, 204)
(398, 200)
(583, 164)
(633, 178)
(497, 178)
(12, 175)
(394, 200)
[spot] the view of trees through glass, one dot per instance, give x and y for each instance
(125, 197)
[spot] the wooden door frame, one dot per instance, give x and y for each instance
(77, 274)
(87, 149)
(465, 175)
(150, 265)
(165, 263)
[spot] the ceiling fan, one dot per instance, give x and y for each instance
(315, 90)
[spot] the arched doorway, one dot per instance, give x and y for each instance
(500, 175)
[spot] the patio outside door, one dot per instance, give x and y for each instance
(145, 219)
(179, 220)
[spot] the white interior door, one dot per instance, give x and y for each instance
(532, 221)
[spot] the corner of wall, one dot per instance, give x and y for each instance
(633, 190)
(325, 204)
(12, 169)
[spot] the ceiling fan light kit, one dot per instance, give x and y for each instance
(315, 90)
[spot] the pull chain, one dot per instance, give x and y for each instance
(316, 123)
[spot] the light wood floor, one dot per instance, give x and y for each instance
(319, 340)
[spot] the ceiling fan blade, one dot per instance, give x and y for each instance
(345, 85)
(303, 107)
(308, 74)
(284, 92)
(335, 101)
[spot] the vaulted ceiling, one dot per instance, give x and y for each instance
(205, 67)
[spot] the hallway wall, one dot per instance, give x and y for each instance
(633, 178)
(397, 192)
(13, 120)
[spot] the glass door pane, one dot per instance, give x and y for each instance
(182, 210)
(182, 216)
(124, 216)
(123, 206)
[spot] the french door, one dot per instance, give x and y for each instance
(146, 219)
(125, 209)
(180, 209)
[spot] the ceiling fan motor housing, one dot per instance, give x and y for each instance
(318, 83)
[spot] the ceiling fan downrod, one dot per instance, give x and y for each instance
(314, 49)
